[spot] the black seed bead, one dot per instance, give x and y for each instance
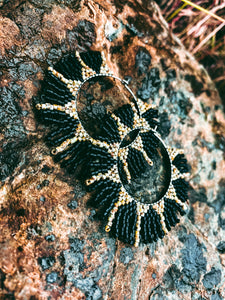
(180, 163)
(70, 67)
(124, 219)
(181, 187)
(115, 225)
(181, 211)
(176, 206)
(101, 184)
(101, 154)
(173, 218)
(57, 140)
(155, 227)
(153, 223)
(125, 223)
(149, 220)
(103, 196)
(106, 209)
(53, 96)
(66, 153)
(170, 212)
(93, 59)
(53, 83)
(149, 136)
(128, 223)
(54, 91)
(73, 157)
(94, 170)
(126, 115)
(62, 130)
(76, 155)
(150, 143)
(144, 230)
(117, 220)
(59, 134)
(101, 164)
(82, 160)
(132, 223)
(131, 212)
(167, 220)
(109, 131)
(122, 173)
(161, 233)
(72, 165)
(151, 116)
(136, 163)
(109, 198)
(52, 116)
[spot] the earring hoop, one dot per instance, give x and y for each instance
(130, 219)
(107, 156)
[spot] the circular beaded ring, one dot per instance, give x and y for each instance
(113, 160)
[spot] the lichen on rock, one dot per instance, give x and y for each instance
(51, 244)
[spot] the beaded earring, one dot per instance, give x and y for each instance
(126, 148)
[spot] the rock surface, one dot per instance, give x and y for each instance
(51, 247)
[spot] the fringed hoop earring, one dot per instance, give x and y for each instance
(133, 217)
(125, 148)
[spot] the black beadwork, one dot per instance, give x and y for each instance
(94, 159)
(180, 162)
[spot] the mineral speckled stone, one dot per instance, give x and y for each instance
(126, 255)
(72, 204)
(82, 261)
(50, 238)
(46, 262)
(193, 260)
(52, 277)
(221, 247)
(212, 279)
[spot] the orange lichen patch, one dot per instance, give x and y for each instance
(121, 286)
(25, 286)
(57, 23)
(30, 89)
(72, 293)
(24, 223)
(21, 203)
(203, 210)
(9, 34)
(25, 103)
(96, 257)
(122, 274)
(150, 277)
(14, 258)
(8, 258)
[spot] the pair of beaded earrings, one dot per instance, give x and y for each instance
(120, 155)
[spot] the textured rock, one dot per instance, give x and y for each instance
(51, 246)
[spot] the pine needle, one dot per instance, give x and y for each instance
(213, 33)
(204, 10)
(176, 12)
